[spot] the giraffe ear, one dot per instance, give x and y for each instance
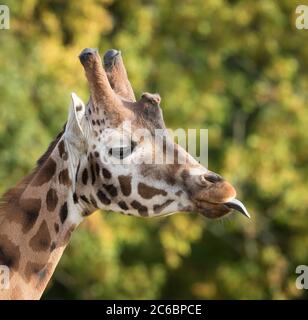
(74, 132)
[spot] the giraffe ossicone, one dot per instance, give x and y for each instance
(99, 162)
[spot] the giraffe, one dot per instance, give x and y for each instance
(74, 177)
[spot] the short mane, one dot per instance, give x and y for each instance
(11, 196)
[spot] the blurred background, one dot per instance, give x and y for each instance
(237, 68)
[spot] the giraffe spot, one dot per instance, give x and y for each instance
(65, 156)
(143, 211)
(148, 192)
(96, 154)
(75, 198)
(106, 173)
(86, 213)
(93, 201)
(61, 148)
(97, 169)
(9, 253)
(84, 198)
(46, 173)
(69, 233)
(64, 178)
(53, 246)
(85, 176)
(92, 173)
(103, 198)
(31, 209)
(158, 208)
(63, 212)
(56, 226)
(123, 205)
(111, 189)
(77, 171)
(32, 269)
(125, 184)
(51, 199)
(41, 241)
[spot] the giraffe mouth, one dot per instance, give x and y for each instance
(216, 210)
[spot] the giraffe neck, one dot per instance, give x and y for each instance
(37, 218)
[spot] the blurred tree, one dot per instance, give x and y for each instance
(238, 68)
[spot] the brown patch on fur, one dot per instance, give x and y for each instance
(143, 211)
(51, 199)
(111, 189)
(69, 233)
(158, 208)
(63, 212)
(9, 253)
(125, 184)
(97, 169)
(61, 148)
(93, 201)
(166, 173)
(148, 192)
(45, 174)
(41, 241)
(93, 177)
(30, 212)
(85, 176)
(64, 178)
(123, 205)
(103, 198)
(84, 198)
(32, 269)
(106, 173)
(57, 228)
(53, 246)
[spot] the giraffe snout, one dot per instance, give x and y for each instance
(210, 187)
(215, 190)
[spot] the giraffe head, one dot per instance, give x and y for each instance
(115, 141)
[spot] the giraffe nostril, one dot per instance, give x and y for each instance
(212, 177)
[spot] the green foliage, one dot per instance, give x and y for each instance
(238, 68)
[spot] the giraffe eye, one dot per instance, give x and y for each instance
(122, 152)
